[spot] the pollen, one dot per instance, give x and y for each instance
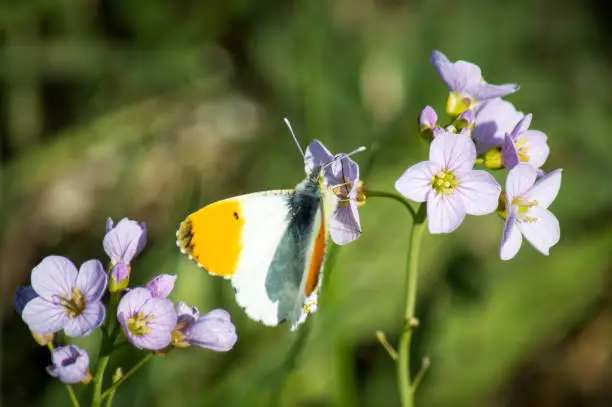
(523, 149)
(523, 209)
(444, 182)
(73, 303)
(138, 324)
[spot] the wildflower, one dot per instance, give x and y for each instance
(161, 286)
(70, 364)
(67, 299)
(523, 145)
(343, 176)
(465, 82)
(122, 243)
(213, 330)
(147, 321)
(526, 213)
(449, 184)
(494, 119)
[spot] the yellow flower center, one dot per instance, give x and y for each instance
(456, 103)
(494, 158)
(73, 303)
(343, 190)
(444, 182)
(523, 206)
(178, 337)
(523, 149)
(138, 323)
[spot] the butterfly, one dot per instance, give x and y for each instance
(271, 244)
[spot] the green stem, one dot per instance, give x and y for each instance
(73, 398)
(371, 193)
(98, 379)
(406, 387)
(133, 370)
(106, 348)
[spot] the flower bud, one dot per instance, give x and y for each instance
(428, 119)
(466, 119)
(119, 277)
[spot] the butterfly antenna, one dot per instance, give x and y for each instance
(293, 134)
(341, 156)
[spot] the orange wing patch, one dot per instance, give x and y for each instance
(316, 261)
(212, 236)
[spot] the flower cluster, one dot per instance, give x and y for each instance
(483, 129)
(61, 297)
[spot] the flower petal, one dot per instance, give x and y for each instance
(544, 232)
(316, 155)
(164, 314)
(444, 213)
(480, 192)
(486, 91)
(91, 280)
(545, 190)
(538, 151)
(125, 241)
(345, 225)
(415, 182)
(511, 237)
(90, 318)
(521, 126)
(494, 118)
(44, 317)
(54, 275)
(214, 331)
(133, 301)
(455, 152)
(510, 155)
(457, 76)
(162, 285)
(343, 170)
(519, 180)
(109, 224)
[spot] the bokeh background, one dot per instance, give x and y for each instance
(151, 109)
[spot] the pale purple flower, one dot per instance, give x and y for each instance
(122, 243)
(465, 82)
(524, 145)
(343, 176)
(449, 184)
(70, 364)
(67, 299)
(428, 119)
(527, 201)
(162, 285)
(147, 321)
(214, 330)
(22, 296)
(494, 119)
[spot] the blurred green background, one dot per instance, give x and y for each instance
(151, 109)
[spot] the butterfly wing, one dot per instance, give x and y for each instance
(258, 241)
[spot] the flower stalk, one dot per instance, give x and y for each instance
(406, 386)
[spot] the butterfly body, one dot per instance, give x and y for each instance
(270, 244)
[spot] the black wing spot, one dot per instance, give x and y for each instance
(236, 216)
